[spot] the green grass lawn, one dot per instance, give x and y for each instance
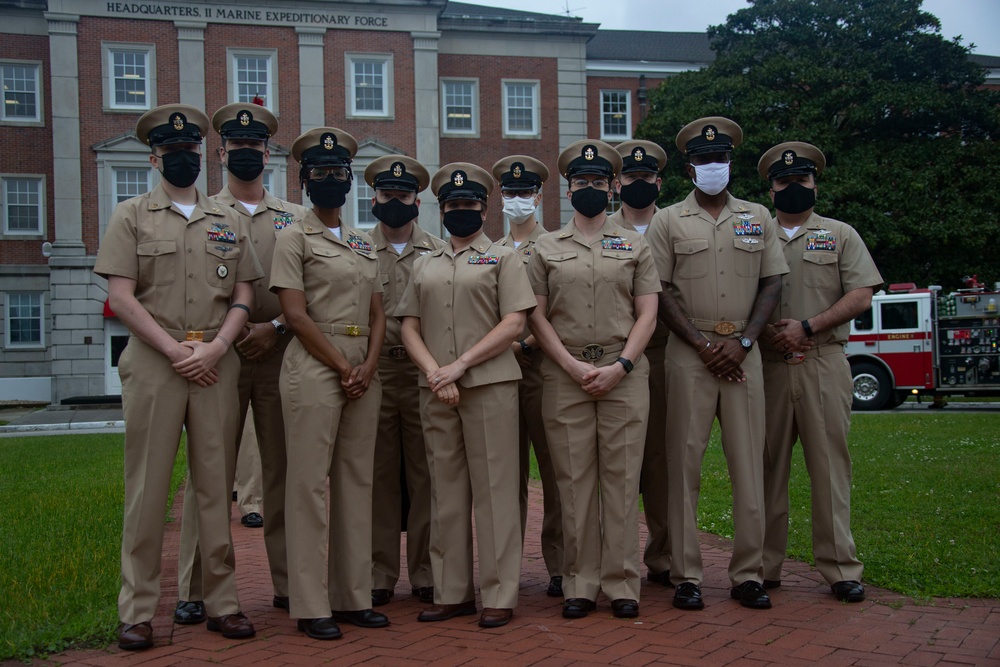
(61, 501)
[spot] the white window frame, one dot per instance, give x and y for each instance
(473, 132)
(115, 169)
(5, 231)
(628, 116)
(271, 94)
(125, 152)
(388, 112)
(108, 50)
(536, 132)
(39, 118)
(40, 344)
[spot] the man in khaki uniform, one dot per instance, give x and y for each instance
(520, 178)
(179, 268)
(720, 264)
(399, 241)
(247, 488)
(595, 284)
(807, 380)
(638, 186)
(464, 307)
(245, 130)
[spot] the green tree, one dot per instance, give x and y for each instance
(900, 112)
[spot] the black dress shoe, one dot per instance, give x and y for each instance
(280, 602)
(849, 591)
(578, 607)
(772, 583)
(662, 578)
(135, 637)
(189, 613)
(363, 618)
(381, 596)
(625, 608)
(253, 520)
(320, 628)
(555, 587)
(425, 594)
(442, 612)
(751, 595)
(688, 597)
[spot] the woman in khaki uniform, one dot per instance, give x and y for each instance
(596, 287)
(463, 309)
(326, 277)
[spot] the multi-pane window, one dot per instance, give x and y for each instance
(21, 99)
(520, 108)
(459, 102)
(24, 319)
(369, 86)
(252, 78)
(23, 205)
(363, 204)
(129, 79)
(130, 183)
(616, 120)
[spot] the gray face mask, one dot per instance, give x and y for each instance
(711, 178)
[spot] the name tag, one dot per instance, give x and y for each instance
(484, 259)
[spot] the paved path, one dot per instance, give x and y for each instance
(806, 626)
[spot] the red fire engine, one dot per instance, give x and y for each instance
(921, 342)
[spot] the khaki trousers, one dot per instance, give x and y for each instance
(400, 441)
(810, 402)
(328, 436)
(653, 479)
(596, 445)
(248, 487)
(696, 399)
(472, 456)
(157, 403)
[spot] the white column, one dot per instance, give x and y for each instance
(312, 111)
(572, 77)
(66, 185)
(427, 121)
(191, 69)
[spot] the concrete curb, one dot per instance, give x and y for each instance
(77, 426)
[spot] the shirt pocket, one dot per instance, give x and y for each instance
(691, 258)
(617, 265)
(747, 256)
(326, 260)
(157, 262)
(820, 268)
(562, 268)
(222, 261)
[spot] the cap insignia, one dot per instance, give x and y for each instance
(516, 171)
(329, 141)
(710, 133)
(589, 153)
(397, 169)
(244, 118)
(638, 155)
(458, 179)
(788, 157)
(178, 121)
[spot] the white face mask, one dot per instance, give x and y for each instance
(519, 209)
(711, 178)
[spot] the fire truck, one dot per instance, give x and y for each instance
(921, 342)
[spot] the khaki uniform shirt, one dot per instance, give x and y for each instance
(337, 276)
(713, 266)
(826, 259)
(272, 216)
(662, 331)
(461, 298)
(185, 269)
(524, 251)
(591, 285)
(395, 272)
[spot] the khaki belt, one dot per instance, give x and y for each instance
(594, 351)
(723, 328)
(794, 358)
(344, 329)
(397, 352)
(204, 335)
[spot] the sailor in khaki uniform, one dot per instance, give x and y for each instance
(638, 186)
(325, 274)
(596, 284)
(399, 241)
(179, 268)
(720, 264)
(520, 178)
(245, 130)
(807, 380)
(464, 307)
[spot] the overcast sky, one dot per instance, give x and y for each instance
(977, 21)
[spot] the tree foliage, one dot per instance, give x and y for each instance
(900, 112)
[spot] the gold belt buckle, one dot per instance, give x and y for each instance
(724, 328)
(397, 352)
(353, 330)
(592, 352)
(794, 358)
(195, 335)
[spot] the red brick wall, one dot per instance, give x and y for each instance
(28, 150)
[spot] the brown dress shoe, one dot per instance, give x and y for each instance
(232, 626)
(495, 618)
(442, 612)
(135, 637)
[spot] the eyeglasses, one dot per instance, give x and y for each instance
(320, 173)
(523, 194)
(597, 184)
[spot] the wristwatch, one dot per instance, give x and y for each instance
(746, 343)
(525, 348)
(626, 364)
(279, 328)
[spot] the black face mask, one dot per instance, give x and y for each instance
(795, 198)
(245, 164)
(639, 194)
(328, 193)
(589, 201)
(463, 222)
(394, 213)
(181, 168)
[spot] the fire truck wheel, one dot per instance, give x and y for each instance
(872, 387)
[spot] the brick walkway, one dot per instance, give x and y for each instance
(806, 626)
